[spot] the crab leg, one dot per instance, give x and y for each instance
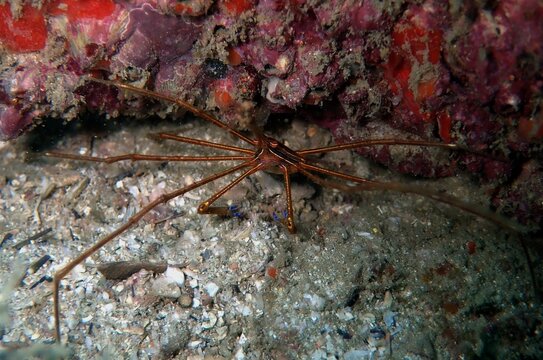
(206, 208)
(185, 105)
(356, 179)
(372, 142)
(137, 157)
(289, 221)
(168, 136)
(365, 184)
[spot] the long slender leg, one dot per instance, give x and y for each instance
(206, 208)
(168, 136)
(289, 221)
(59, 275)
(137, 157)
(365, 185)
(372, 142)
(338, 174)
(185, 105)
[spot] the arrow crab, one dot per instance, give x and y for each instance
(260, 153)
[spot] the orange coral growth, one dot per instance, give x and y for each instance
(234, 58)
(236, 7)
(412, 46)
(272, 272)
(444, 123)
(223, 99)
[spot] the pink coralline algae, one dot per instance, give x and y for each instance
(466, 74)
(13, 120)
(152, 39)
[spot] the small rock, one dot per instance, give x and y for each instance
(315, 301)
(345, 315)
(185, 300)
(193, 283)
(194, 344)
(206, 254)
(242, 340)
(389, 319)
(195, 303)
(163, 288)
(211, 289)
(175, 275)
(387, 301)
(368, 318)
(206, 300)
(108, 308)
(246, 310)
(222, 332)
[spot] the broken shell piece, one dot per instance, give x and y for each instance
(133, 331)
(162, 287)
(210, 320)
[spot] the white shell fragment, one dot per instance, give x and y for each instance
(175, 275)
(211, 289)
(210, 320)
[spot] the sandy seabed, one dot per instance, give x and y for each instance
(368, 276)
